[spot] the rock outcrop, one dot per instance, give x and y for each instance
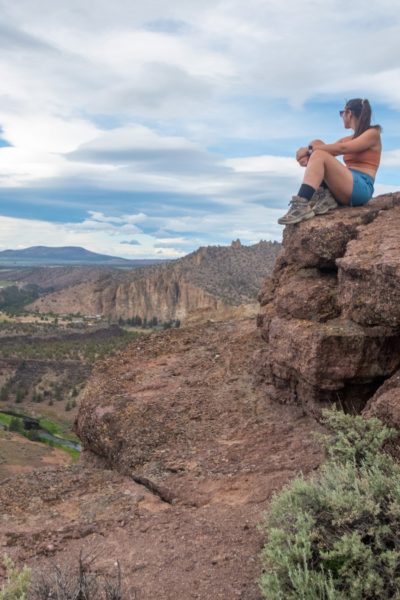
(199, 451)
(177, 402)
(330, 313)
(385, 403)
(210, 279)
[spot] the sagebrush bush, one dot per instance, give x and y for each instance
(337, 536)
(56, 583)
(82, 583)
(17, 581)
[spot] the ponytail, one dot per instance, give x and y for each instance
(361, 109)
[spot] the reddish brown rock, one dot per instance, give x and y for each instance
(201, 452)
(330, 313)
(267, 291)
(308, 294)
(385, 403)
(320, 241)
(166, 405)
(369, 273)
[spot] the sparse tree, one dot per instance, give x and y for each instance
(16, 425)
(19, 396)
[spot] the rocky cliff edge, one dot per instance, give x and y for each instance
(330, 313)
(200, 452)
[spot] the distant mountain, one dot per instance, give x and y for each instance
(66, 255)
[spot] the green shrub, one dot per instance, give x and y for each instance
(17, 581)
(32, 435)
(337, 535)
(16, 424)
(20, 395)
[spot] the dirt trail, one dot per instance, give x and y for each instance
(219, 450)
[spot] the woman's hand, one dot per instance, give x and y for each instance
(303, 162)
(301, 154)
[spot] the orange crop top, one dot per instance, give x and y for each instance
(365, 161)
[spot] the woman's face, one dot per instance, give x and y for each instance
(346, 116)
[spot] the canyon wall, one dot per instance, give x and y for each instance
(156, 295)
(207, 281)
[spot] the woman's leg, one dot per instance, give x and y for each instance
(323, 166)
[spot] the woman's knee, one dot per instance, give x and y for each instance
(318, 155)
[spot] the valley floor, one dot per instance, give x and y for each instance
(20, 455)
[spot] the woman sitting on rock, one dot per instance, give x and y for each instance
(351, 184)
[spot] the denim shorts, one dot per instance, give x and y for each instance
(363, 188)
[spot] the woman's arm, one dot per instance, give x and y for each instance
(345, 146)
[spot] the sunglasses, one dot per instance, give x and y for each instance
(341, 112)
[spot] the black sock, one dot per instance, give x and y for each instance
(306, 191)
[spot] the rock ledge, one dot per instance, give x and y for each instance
(330, 313)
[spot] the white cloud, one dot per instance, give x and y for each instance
(97, 236)
(102, 218)
(391, 158)
(134, 98)
(134, 142)
(137, 158)
(21, 166)
(172, 240)
(105, 58)
(385, 188)
(119, 237)
(49, 133)
(281, 165)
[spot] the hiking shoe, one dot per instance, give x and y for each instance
(323, 201)
(300, 210)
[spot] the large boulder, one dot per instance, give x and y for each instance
(170, 403)
(330, 313)
(385, 403)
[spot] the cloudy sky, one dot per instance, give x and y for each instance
(148, 129)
